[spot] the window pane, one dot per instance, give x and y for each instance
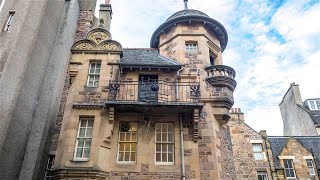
(79, 152)
(158, 147)
(81, 143)
(158, 128)
(90, 123)
(86, 152)
(89, 132)
(122, 135)
(170, 147)
(164, 157)
(82, 132)
(158, 157)
(158, 137)
(134, 137)
(83, 123)
(164, 147)
(128, 136)
(170, 157)
(121, 147)
(120, 156)
(126, 156)
(133, 146)
(133, 156)
(164, 137)
(88, 143)
(170, 137)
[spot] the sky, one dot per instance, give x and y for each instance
(272, 43)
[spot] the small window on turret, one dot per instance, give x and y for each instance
(191, 47)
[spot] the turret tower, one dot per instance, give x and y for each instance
(197, 41)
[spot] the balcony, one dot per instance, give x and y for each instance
(221, 76)
(140, 96)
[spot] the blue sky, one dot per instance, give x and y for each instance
(272, 43)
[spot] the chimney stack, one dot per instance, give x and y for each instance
(105, 15)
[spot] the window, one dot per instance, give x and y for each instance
(257, 151)
(310, 167)
(9, 21)
(314, 104)
(191, 47)
(164, 143)
(84, 139)
(262, 176)
(94, 74)
(289, 169)
(48, 174)
(127, 146)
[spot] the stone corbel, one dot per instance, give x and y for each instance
(196, 117)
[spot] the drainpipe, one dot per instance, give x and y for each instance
(182, 148)
(177, 83)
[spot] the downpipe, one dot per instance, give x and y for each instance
(182, 148)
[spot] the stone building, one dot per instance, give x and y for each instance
(258, 156)
(299, 118)
(295, 157)
(35, 38)
(146, 113)
(250, 150)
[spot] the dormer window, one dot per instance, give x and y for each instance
(314, 104)
(94, 74)
(191, 47)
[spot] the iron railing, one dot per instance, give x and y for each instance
(154, 91)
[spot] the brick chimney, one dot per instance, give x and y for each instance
(105, 15)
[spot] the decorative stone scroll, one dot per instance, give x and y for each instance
(196, 117)
(97, 40)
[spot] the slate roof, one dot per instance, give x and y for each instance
(147, 57)
(191, 16)
(312, 143)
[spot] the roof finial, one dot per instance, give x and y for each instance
(185, 4)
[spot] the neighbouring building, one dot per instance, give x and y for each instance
(147, 113)
(250, 150)
(299, 118)
(295, 157)
(262, 157)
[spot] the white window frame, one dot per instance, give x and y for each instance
(9, 21)
(191, 47)
(87, 137)
(284, 165)
(313, 173)
(263, 173)
(314, 104)
(133, 139)
(2, 4)
(94, 72)
(258, 154)
(159, 142)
